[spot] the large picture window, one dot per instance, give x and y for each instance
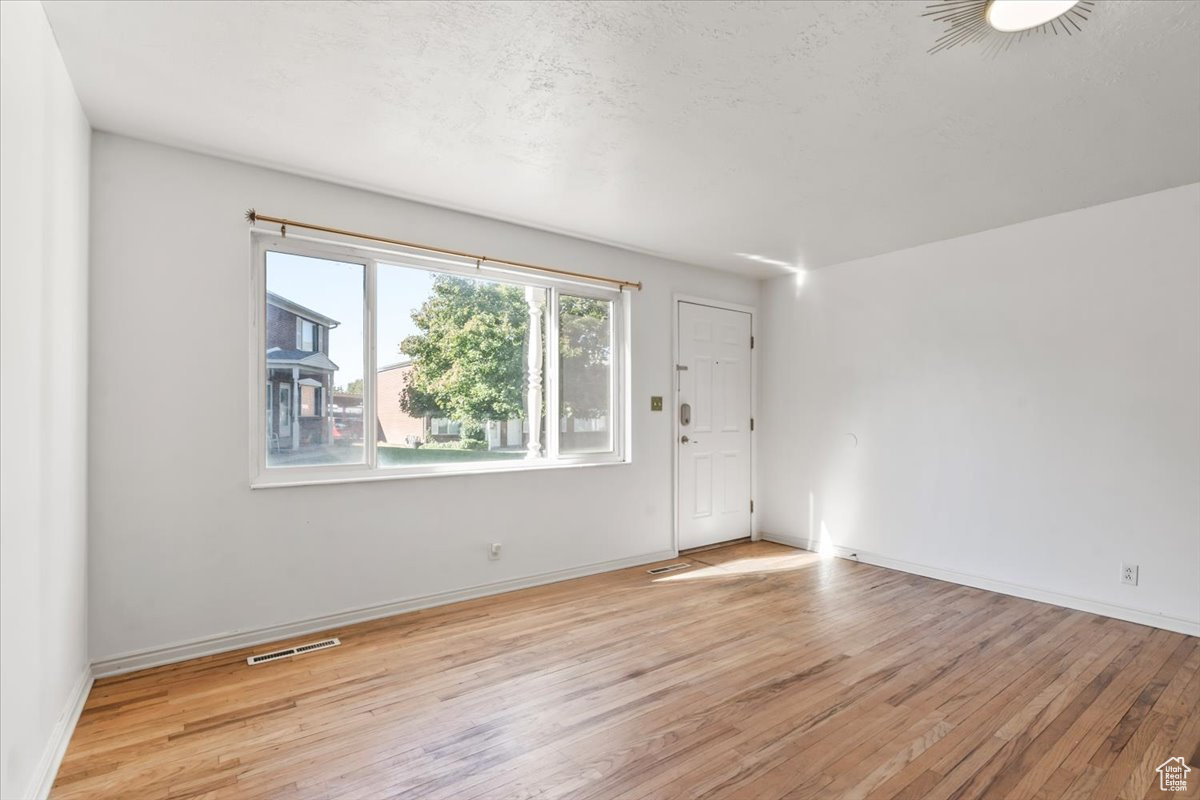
(388, 364)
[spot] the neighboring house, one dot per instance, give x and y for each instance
(397, 427)
(394, 423)
(299, 375)
(506, 434)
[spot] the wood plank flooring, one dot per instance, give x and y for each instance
(761, 672)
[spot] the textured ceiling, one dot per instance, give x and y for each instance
(803, 133)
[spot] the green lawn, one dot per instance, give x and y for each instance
(400, 456)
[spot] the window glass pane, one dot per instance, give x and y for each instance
(308, 401)
(459, 369)
(308, 335)
(585, 344)
(445, 427)
(315, 350)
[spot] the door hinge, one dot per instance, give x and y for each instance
(752, 423)
(751, 506)
(751, 342)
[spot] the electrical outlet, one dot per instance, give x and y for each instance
(494, 551)
(1129, 574)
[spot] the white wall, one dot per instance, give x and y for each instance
(44, 148)
(1026, 403)
(183, 549)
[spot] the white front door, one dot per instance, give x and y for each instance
(713, 408)
(284, 412)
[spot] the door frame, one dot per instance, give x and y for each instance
(676, 299)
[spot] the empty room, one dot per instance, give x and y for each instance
(600, 400)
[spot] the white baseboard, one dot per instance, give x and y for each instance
(195, 648)
(1190, 627)
(56, 748)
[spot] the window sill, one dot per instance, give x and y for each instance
(311, 477)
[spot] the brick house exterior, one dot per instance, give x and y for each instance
(395, 425)
(299, 375)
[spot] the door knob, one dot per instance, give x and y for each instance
(683, 440)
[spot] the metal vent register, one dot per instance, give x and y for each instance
(667, 568)
(275, 655)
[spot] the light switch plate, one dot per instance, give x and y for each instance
(655, 403)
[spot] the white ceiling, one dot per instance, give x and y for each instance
(805, 133)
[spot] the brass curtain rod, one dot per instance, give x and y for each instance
(253, 216)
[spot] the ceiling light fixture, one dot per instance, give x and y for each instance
(1014, 16)
(997, 24)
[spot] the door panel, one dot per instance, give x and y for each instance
(284, 414)
(702, 400)
(734, 382)
(731, 474)
(702, 497)
(714, 450)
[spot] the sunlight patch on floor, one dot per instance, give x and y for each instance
(752, 565)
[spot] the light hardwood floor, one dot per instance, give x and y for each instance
(761, 672)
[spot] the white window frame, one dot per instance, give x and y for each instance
(370, 257)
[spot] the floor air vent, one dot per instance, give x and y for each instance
(667, 568)
(275, 655)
